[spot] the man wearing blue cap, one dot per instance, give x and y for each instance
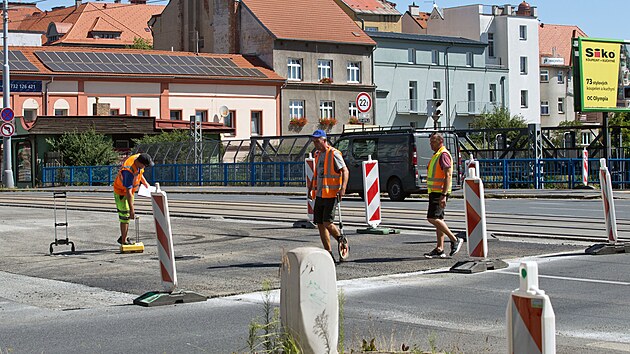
(329, 183)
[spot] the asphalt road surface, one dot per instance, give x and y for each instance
(81, 302)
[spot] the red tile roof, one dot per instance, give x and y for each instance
(555, 40)
(130, 19)
(421, 19)
(17, 13)
(241, 61)
(373, 7)
(303, 20)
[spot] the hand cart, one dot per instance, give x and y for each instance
(61, 195)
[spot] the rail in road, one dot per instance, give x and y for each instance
(498, 224)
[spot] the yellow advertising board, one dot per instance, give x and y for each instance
(604, 76)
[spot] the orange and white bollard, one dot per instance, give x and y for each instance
(475, 211)
(612, 246)
(585, 167)
(372, 198)
(166, 255)
(309, 172)
(531, 322)
(162, 217)
(472, 163)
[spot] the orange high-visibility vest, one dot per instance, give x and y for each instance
(331, 180)
(436, 177)
(128, 166)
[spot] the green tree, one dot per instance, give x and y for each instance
(164, 137)
(88, 148)
(141, 43)
(499, 117)
(621, 120)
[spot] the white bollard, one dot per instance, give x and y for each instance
(371, 192)
(475, 215)
(309, 167)
(585, 167)
(162, 217)
(309, 309)
(531, 322)
(609, 201)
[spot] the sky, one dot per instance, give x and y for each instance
(598, 18)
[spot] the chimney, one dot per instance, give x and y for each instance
(138, 2)
(414, 9)
(77, 3)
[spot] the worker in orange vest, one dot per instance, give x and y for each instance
(126, 184)
(329, 182)
(439, 183)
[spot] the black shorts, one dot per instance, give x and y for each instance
(435, 211)
(324, 210)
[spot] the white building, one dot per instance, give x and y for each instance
(512, 37)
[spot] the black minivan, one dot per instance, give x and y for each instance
(403, 154)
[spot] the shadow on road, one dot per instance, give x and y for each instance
(79, 253)
(247, 265)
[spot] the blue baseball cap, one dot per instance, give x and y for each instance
(319, 134)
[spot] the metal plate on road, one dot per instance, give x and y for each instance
(7, 114)
(7, 129)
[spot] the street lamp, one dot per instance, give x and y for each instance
(6, 95)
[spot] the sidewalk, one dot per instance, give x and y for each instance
(300, 191)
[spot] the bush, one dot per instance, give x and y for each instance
(164, 137)
(84, 149)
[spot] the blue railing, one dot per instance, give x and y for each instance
(257, 173)
(495, 173)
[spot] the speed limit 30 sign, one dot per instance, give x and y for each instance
(364, 102)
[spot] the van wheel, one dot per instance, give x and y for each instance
(395, 190)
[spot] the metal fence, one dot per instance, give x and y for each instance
(495, 173)
(218, 174)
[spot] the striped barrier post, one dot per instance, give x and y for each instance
(166, 255)
(309, 171)
(472, 163)
(162, 217)
(612, 246)
(475, 212)
(585, 167)
(531, 322)
(309, 168)
(372, 198)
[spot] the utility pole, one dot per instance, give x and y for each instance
(6, 97)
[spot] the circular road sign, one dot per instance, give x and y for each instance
(7, 129)
(7, 114)
(364, 102)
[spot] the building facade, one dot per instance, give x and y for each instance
(556, 74)
(324, 69)
(511, 35)
(411, 69)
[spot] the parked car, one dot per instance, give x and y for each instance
(403, 154)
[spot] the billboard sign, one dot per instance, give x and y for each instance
(602, 74)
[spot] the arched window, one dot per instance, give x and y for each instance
(61, 107)
(30, 110)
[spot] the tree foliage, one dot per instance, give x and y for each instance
(88, 148)
(499, 117)
(622, 120)
(164, 137)
(141, 43)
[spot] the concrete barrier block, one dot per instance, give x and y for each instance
(309, 308)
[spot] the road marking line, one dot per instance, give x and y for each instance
(611, 282)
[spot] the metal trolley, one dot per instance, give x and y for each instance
(66, 241)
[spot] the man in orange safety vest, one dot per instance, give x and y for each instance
(126, 184)
(329, 182)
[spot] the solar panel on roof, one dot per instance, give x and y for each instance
(18, 62)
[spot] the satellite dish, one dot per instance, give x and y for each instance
(224, 111)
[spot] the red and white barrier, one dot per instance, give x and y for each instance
(475, 215)
(609, 202)
(309, 168)
(585, 167)
(371, 192)
(162, 217)
(531, 322)
(472, 163)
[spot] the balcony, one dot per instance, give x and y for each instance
(474, 108)
(411, 106)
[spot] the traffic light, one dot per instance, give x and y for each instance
(434, 108)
